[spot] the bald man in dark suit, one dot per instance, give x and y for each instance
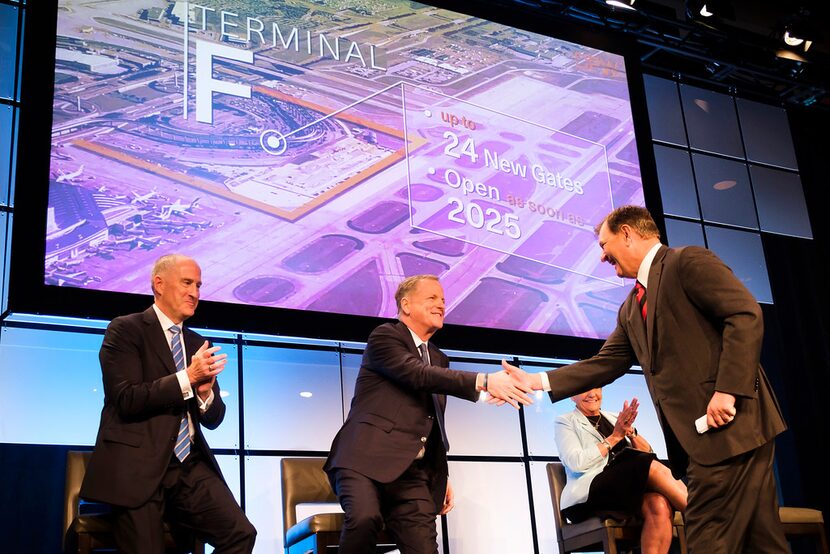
(696, 331)
(151, 460)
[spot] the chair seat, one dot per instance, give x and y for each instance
(789, 514)
(593, 523)
(97, 524)
(309, 526)
(93, 524)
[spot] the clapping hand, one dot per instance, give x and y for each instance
(624, 427)
(205, 365)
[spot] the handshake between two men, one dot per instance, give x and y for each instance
(511, 385)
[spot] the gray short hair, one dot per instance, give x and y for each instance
(163, 265)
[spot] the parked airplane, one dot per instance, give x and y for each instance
(143, 199)
(179, 209)
(74, 279)
(69, 176)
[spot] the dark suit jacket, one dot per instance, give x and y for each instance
(703, 335)
(393, 412)
(143, 407)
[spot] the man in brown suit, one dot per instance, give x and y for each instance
(696, 331)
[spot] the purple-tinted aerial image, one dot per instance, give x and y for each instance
(312, 154)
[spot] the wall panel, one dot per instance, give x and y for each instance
(479, 428)
(52, 391)
(492, 513)
(288, 393)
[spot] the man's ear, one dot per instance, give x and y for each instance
(405, 305)
(627, 233)
(157, 283)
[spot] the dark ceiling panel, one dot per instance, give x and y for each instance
(735, 53)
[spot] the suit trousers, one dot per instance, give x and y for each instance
(733, 505)
(196, 503)
(405, 506)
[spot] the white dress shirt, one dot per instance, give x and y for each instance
(184, 380)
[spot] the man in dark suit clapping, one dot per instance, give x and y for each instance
(151, 460)
(388, 463)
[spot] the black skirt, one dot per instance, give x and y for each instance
(618, 490)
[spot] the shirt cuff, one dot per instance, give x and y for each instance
(203, 406)
(482, 394)
(545, 381)
(184, 384)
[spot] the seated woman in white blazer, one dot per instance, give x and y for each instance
(611, 469)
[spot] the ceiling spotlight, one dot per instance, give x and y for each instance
(800, 29)
(722, 9)
(625, 4)
(791, 40)
(799, 33)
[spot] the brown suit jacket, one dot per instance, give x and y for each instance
(704, 334)
(393, 411)
(143, 408)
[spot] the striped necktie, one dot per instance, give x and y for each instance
(182, 448)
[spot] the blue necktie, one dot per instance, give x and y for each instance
(182, 448)
(439, 415)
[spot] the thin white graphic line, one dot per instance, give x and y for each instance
(186, 46)
(343, 109)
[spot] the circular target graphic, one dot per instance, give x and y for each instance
(273, 142)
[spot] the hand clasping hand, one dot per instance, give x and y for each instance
(504, 387)
(624, 427)
(205, 364)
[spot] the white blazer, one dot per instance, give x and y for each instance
(576, 439)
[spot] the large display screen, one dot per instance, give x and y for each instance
(312, 154)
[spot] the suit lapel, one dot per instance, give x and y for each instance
(655, 274)
(407, 335)
(436, 358)
(587, 425)
(439, 401)
(157, 340)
